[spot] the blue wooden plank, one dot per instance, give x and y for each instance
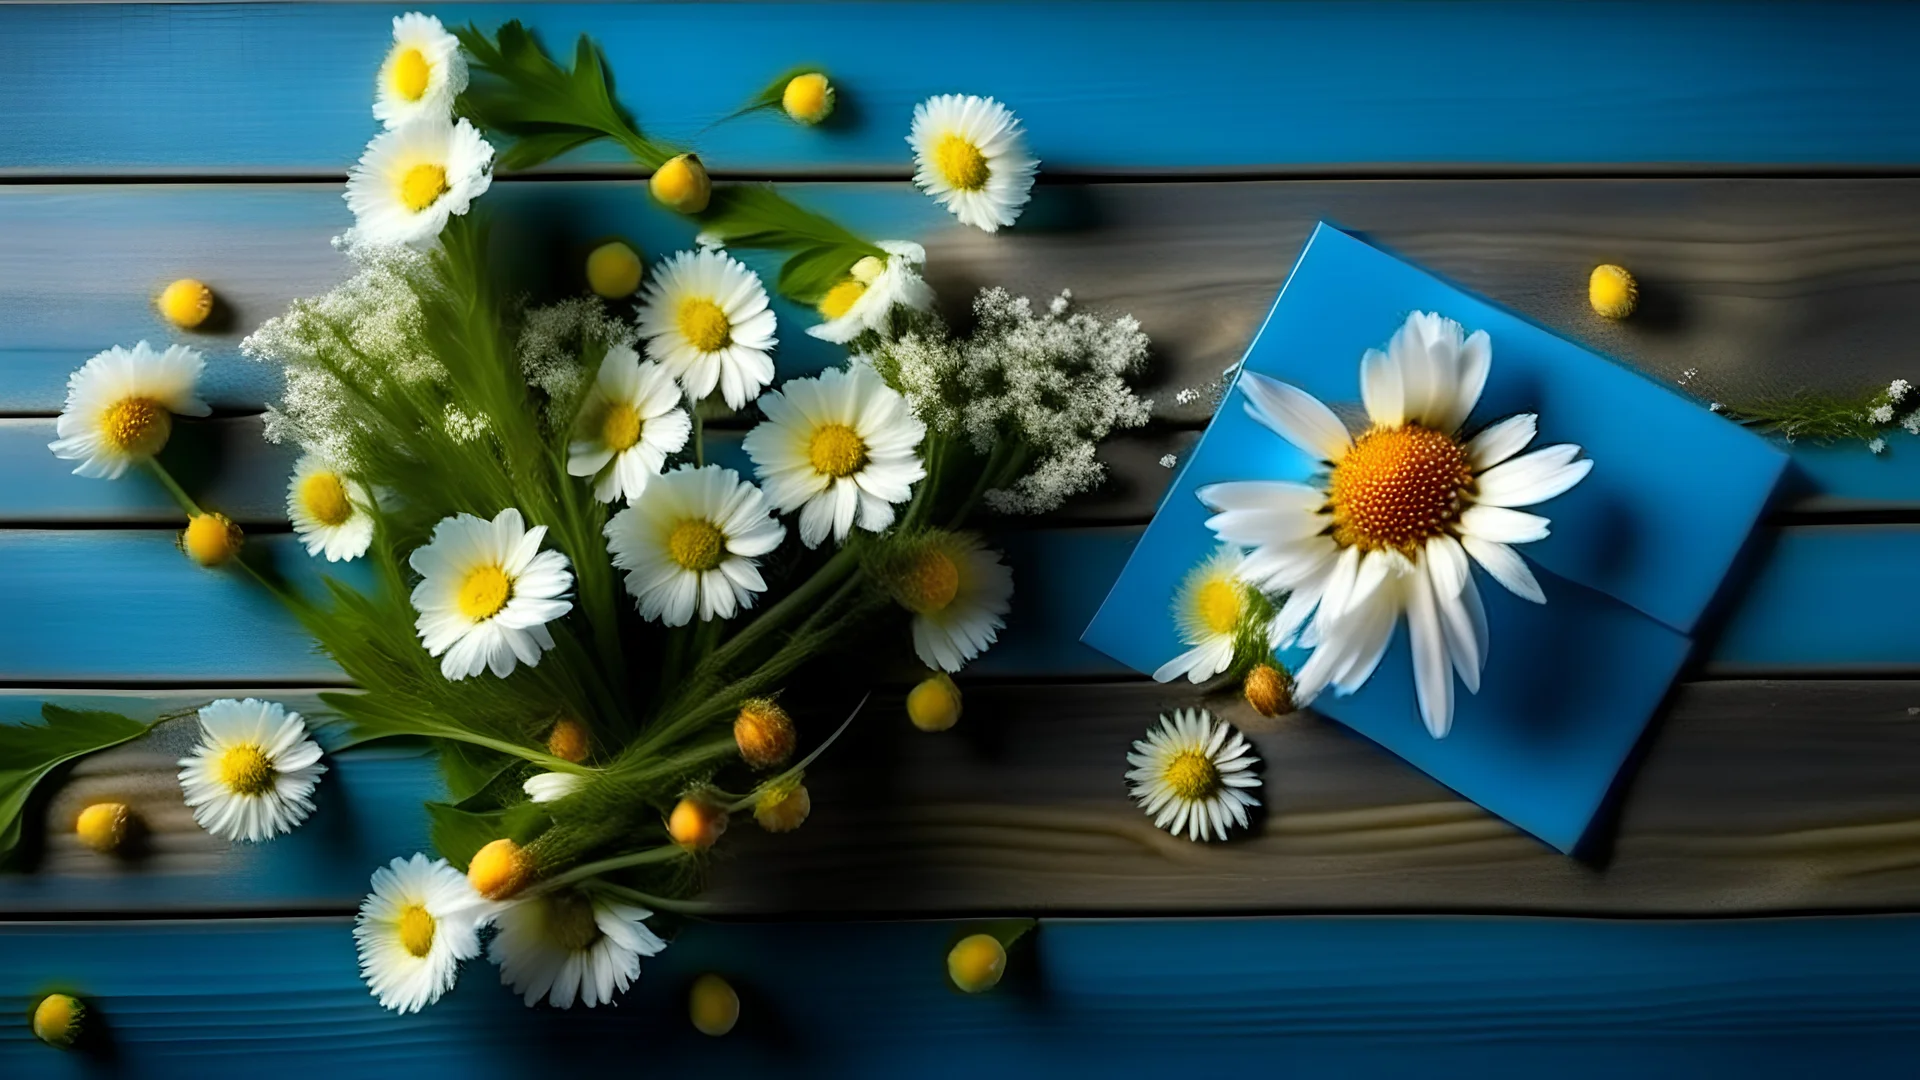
(1151, 86)
(225, 463)
(1356, 997)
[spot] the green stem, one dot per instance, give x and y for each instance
(546, 761)
(666, 853)
(662, 903)
(699, 438)
(173, 488)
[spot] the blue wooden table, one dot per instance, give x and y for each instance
(1745, 911)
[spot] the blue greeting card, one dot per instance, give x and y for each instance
(1638, 549)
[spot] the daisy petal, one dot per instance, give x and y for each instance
(1296, 416)
(1533, 478)
(1506, 566)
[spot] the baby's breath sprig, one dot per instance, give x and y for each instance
(1822, 418)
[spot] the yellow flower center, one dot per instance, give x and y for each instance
(422, 186)
(620, 428)
(485, 592)
(409, 74)
(325, 498)
(704, 325)
(416, 930)
(696, 544)
(839, 299)
(570, 921)
(930, 584)
(136, 425)
(245, 770)
(837, 451)
(961, 163)
(1398, 488)
(1217, 603)
(1192, 775)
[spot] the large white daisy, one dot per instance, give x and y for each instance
(692, 545)
(706, 320)
(253, 773)
(1194, 774)
(970, 154)
(422, 74)
(487, 593)
(958, 591)
(628, 425)
(412, 179)
(1208, 610)
(870, 292)
(1397, 521)
(330, 510)
(120, 407)
(839, 448)
(420, 921)
(569, 946)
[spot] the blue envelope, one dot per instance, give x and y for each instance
(1638, 549)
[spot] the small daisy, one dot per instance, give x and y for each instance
(422, 74)
(329, 511)
(959, 593)
(1191, 777)
(872, 289)
(420, 921)
(628, 425)
(693, 545)
(839, 448)
(552, 786)
(706, 319)
(120, 407)
(411, 179)
(252, 775)
(487, 593)
(567, 945)
(1209, 608)
(970, 154)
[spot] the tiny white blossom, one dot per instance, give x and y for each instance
(1881, 414)
(1185, 396)
(1168, 461)
(1714, 406)
(1912, 423)
(1897, 389)
(1878, 446)
(1687, 376)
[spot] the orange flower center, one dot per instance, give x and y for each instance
(1398, 488)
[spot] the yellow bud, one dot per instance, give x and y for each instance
(103, 826)
(934, 705)
(681, 184)
(764, 733)
(1269, 690)
(211, 539)
(1612, 291)
(783, 807)
(613, 270)
(56, 1020)
(867, 270)
(696, 824)
(500, 869)
(808, 98)
(713, 1005)
(186, 303)
(568, 740)
(977, 963)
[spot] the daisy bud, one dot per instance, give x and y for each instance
(867, 270)
(808, 98)
(934, 705)
(977, 963)
(681, 184)
(568, 740)
(696, 824)
(500, 869)
(1612, 291)
(1269, 690)
(104, 826)
(56, 1020)
(783, 807)
(211, 539)
(713, 1005)
(764, 733)
(613, 270)
(186, 303)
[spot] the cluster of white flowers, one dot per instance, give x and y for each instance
(555, 341)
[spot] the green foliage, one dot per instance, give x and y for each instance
(517, 89)
(757, 216)
(772, 95)
(28, 752)
(1812, 417)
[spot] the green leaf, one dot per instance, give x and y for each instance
(518, 90)
(474, 771)
(755, 216)
(807, 275)
(541, 147)
(29, 752)
(771, 95)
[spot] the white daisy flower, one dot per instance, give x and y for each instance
(1403, 513)
(692, 545)
(970, 154)
(330, 511)
(1192, 777)
(420, 921)
(1208, 609)
(959, 593)
(487, 593)
(873, 288)
(252, 775)
(411, 179)
(839, 448)
(706, 320)
(567, 946)
(120, 407)
(552, 786)
(422, 74)
(628, 425)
